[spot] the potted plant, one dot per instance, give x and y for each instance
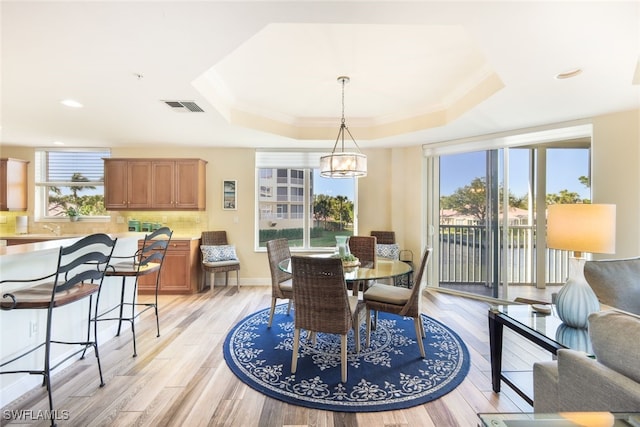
(72, 213)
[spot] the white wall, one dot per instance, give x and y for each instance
(616, 175)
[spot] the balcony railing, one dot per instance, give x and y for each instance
(465, 252)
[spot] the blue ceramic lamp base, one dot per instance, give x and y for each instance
(576, 300)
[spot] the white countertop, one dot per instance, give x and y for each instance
(51, 241)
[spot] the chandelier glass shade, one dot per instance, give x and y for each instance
(341, 163)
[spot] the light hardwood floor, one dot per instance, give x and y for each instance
(181, 377)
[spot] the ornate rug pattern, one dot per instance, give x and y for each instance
(388, 375)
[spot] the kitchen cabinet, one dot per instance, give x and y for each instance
(155, 184)
(178, 184)
(13, 184)
(180, 272)
(127, 184)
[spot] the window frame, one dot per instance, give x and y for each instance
(298, 164)
(41, 186)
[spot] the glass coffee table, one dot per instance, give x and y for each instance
(566, 419)
(545, 330)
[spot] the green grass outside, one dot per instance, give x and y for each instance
(327, 239)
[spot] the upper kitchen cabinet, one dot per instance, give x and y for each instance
(155, 184)
(13, 185)
(178, 184)
(127, 184)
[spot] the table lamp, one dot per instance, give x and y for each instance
(580, 228)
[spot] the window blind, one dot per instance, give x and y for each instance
(62, 165)
(288, 159)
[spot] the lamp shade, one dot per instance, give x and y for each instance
(582, 227)
(343, 165)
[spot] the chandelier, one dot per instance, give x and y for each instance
(343, 164)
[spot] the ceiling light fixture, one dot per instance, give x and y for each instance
(71, 103)
(343, 164)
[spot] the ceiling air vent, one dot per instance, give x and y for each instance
(184, 106)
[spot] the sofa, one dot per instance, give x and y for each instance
(616, 282)
(610, 381)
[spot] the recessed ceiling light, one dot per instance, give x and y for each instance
(71, 103)
(58, 143)
(568, 74)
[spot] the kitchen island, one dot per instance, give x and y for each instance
(22, 329)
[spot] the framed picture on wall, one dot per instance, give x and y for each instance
(229, 195)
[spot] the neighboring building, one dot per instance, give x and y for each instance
(517, 216)
(281, 197)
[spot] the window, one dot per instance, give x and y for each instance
(297, 177)
(308, 210)
(265, 191)
(492, 242)
(297, 194)
(282, 194)
(66, 179)
(297, 211)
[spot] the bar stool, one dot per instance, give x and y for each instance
(78, 276)
(147, 260)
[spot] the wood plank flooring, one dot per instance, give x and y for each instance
(181, 378)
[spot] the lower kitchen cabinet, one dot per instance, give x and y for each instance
(180, 272)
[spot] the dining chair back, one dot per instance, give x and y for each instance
(281, 283)
(384, 237)
(78, 276)
(364, 248)
(219, 238)
(322, 303)
(400, 301)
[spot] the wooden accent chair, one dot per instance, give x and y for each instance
(322, 304)
(149, 259)
(281, 283)
(397, 300)
(218, 238)
(78, 276)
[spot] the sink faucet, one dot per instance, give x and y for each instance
(55, 230)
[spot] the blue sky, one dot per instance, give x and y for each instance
(333, 187)
(564, 166)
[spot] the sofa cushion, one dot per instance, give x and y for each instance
(615, 338)
(616, 282)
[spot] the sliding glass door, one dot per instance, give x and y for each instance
(489, 238)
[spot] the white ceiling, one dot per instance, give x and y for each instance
(265, 72)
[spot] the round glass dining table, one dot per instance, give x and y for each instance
(384, 269)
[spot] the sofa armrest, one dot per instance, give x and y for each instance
(545, 386)
(586, 385)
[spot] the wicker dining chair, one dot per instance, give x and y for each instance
(400, 301)
(384, 237)
(281, 283)
(364, 248)
(322, 304)
(218, 238)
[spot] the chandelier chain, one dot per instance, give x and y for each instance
(343, 82)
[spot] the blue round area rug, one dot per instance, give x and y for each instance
(388, 375)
